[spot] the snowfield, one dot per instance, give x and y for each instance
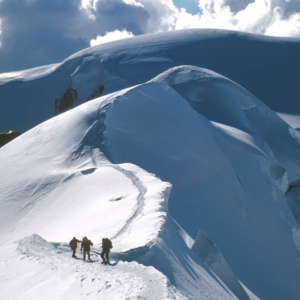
(194, 179)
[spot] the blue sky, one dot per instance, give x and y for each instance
(191, 6)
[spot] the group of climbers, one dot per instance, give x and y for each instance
(86, 246)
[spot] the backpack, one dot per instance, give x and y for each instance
(107, 243)
(73, 244)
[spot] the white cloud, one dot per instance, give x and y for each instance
(38, 32)
(266, 17)
(162, 15)
(133, 2)
(111, 36)
(85, 3)
(285, 27)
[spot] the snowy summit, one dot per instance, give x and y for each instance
(178, 147)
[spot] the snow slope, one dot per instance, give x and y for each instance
(267, 67)
(61, 167)
(229, 175)
(194, 179)
(57, 183)
(228, 179)
(292, 119)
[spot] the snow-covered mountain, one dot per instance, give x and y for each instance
(194, 179)
(268, 67)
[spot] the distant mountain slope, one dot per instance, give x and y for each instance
(267, 67)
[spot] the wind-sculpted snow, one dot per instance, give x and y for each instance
(90, 171)
(57, 183)
(292, 119)
(223, 101)
(63, 173)
(228, 179)
(212, 256)
(267, 67)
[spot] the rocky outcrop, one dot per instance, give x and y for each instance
(66, 102)
(7, 136)
(97, 93)
(70, 97)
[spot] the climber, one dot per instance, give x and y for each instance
(106, 246)
(86, 245)
(73, 244)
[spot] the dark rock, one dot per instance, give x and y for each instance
(66, 102)
(7, 136)
(97, 93)
(70, 97)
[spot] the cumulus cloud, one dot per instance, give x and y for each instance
(110, 15)
(110, 37)
(142, 16)
(267, 17)
(0, 33)
(39, 32)
(162, 15)
(285, 26)
(237, 5)
(133, 2)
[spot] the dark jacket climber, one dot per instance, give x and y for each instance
(86, 245)
(106, 246)
(73, 244)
